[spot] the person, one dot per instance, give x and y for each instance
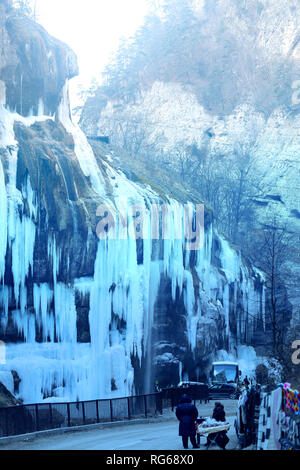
(219, 412)
(187, 414)
(246, 382)
(157, 387)
(219, 437)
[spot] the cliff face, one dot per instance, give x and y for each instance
(84, 317)
(34, 65)
(225, 53)
(222, 76)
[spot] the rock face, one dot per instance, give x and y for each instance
(89, 307)
(227, 80)
(6, 398)
(34, 66)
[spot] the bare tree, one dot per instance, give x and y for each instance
(24, 7)
(272, 252)
(241, 185)
(228, 183)
(131, 128)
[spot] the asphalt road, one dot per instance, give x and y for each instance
(162, 435)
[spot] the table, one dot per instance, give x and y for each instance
(202, 431)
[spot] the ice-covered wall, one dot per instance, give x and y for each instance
(86, 317)
(121, 295)
(40, 314)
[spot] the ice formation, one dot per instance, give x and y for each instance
(122, 293)
(246, 358)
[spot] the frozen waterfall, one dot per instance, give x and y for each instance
(50, 361)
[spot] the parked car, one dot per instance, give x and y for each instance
(196, 390)
(187, 384)
(222, 390)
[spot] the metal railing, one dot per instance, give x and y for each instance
(24, 419)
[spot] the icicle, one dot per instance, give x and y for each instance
(83, 150)
(42, 298)
(22, 254)
(65, 313)
(192, 317)
(41, 107)
(3, 218)
(230, 261)
(226, 307)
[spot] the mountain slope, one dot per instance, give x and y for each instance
(210, 91)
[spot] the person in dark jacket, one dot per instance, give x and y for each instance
(218, 415)
(187, 414)
(246, 382)
(219, 412)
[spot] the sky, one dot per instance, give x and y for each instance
(92, 28)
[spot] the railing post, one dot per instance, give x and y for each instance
(145, 405)
(37, 423)
(97, 411)
(51, 415)
(111, 410)
(69, 415)
(159, 403)
(83, 413)
(6, 420)
(25, 420)
(128, 407)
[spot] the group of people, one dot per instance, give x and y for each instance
(187, 415)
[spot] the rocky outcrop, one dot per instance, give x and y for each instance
(7, 398)
(33, 65)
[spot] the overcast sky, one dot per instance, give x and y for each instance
(92, 28)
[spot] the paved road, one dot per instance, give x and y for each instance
(151, 436)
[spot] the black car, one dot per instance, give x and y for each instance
(221, 390)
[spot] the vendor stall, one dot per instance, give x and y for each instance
(214, 429)
(279, 421)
